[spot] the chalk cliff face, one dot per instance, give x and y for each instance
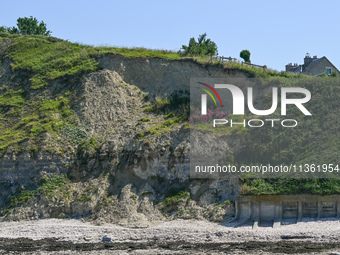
(126, 159)
(162, 77)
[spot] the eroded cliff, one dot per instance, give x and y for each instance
(108, 145)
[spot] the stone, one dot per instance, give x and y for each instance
(106, 239)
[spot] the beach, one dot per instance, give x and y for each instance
(76, 236)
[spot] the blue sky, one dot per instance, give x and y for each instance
(275, 32)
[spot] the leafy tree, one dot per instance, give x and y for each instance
(31, 26)
(203, 46)
(245, 54)
(13, 30)
(10, 30)
(27, 26)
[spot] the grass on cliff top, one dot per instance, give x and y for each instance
(49, 58)
(139, 52)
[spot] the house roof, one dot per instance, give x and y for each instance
(332, 64)
(309, 68)
(296, 69)
(312, 64)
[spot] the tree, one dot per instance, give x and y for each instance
(10, 30)
(245, 54)
(13, 30)
(30, 26)
(202, 47)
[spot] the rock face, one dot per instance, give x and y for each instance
(140, 154)
(161, 77)
(22, 170)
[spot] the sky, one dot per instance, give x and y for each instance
(275, 32)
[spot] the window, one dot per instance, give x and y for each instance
(328, 70)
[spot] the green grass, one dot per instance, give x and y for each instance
(139, 136)
(60, 105)
(175, 110)
(175, 105)
(49, 58)
(11, 103)
(144, 119)
(86, 196)
(290, 186)
(89, 145)
(170, 115)
(160, 105)
(12, 98)
(51, 186)
(146, 192)
(23, 118)
(139, 52)
(164, 127)
(253, 72)
(19, 198)
(175, 196)
(39, 117)
(73, 133)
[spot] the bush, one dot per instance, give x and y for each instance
(30, 26)
(10, 30)
(200, 48)
(245, 54)
(27, 26)
(176, 196)
(334, 74)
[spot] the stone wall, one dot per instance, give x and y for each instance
(281, 208)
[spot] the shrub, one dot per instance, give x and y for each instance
(175, 196)
(30, 26)
(202, 47)
(245, 54)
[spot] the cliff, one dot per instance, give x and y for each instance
(103, 134)
(109, 144)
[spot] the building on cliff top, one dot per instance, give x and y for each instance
(313, 66)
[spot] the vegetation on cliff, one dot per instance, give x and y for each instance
(37, 111)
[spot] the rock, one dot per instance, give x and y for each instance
(69, 240)
(106, 239)
(88, 238)
(194, 188)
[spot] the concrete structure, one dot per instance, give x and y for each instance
(313, 66)
(274, 209)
